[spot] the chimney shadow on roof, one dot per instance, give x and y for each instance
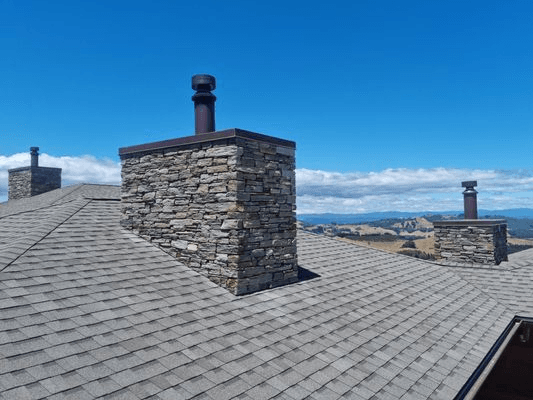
(306, 275)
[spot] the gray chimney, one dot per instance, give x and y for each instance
(222, 202)
(33, 180)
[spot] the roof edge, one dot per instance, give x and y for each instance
(205, 137)
(476, 380)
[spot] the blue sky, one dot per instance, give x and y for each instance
(383, 90)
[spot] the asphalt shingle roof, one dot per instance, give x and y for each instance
(88, 310)
(512, 284)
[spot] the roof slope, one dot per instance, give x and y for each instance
(88, 310)
(26, 221)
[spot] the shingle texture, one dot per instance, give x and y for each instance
(88, 310)
(510, 283)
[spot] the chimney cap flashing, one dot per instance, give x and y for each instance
(204, 82)
(32, 168)
(469, 184)
(469, 222)
(206, 137)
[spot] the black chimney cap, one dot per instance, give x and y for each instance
(203, 82)
(469, 184)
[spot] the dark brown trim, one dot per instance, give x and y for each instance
(33, 169)
(205, 137)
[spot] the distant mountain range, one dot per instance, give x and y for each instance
(517, 213)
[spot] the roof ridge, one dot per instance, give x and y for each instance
(68, 191)
(83, 190)
(28, 207)
(14, 250)
(92, 191)
(43, 207)
(448, 268)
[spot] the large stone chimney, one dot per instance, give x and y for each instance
(471, 241)
(33, 180)
(221, 202)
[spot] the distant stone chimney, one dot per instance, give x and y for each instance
(470, 241)
(33, 180)
(221, 202)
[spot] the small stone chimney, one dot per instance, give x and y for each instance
(471, 241)
(222, 202)
(33, 180)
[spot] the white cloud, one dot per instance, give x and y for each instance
(83, 169)
(435, 189)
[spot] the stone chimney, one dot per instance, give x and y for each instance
(221, 202)
(471, 241)
(33, 180)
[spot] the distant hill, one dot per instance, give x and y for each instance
(355, 218)
(513, 213)
(517, 213)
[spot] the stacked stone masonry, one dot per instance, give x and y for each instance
(473, 242)
(225, 208)
(31, 181)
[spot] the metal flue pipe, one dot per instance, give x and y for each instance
(204, 103)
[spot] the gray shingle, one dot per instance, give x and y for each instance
(89, 309)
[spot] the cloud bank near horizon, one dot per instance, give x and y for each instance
(82, 169)
(435, 189)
